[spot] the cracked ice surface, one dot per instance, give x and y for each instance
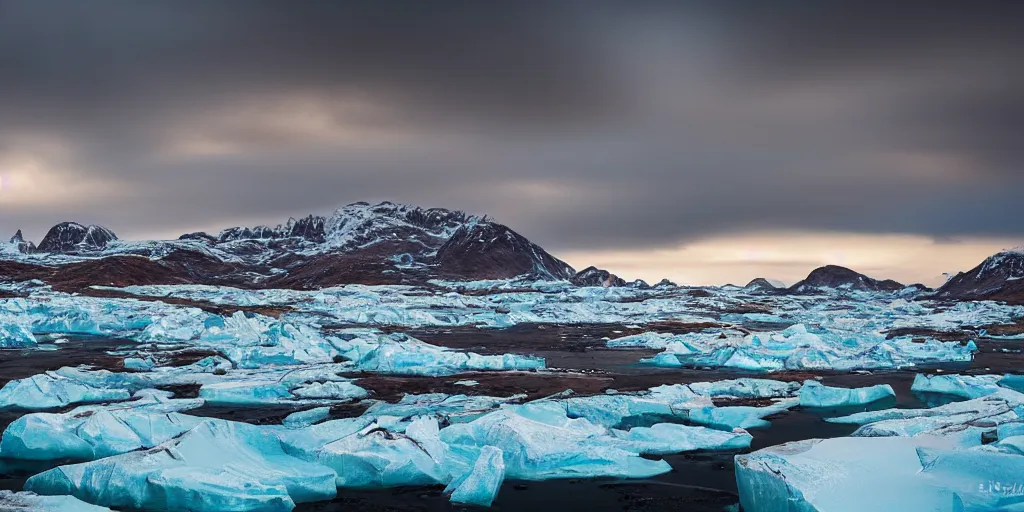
(162, 456)
(149, 453)
(899, 459)
(795, 348)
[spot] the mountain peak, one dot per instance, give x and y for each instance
(835, 277)
(71, 237)
(999, 277)
(488, 250)
(593, 276)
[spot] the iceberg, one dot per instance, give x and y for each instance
(816, 395)
(867, 473)
(379, 457)
(47, 391)
(964, 386)
(668, 438)
(92, 432)
(400, 354)
(13, 501)
(450, 408)
(14, 333)
(480, 486)
(966, 421)
(742, 417)
(540, 442)
(217, 465)
(306, 418)
(796, 348)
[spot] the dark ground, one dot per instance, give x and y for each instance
(699, 481)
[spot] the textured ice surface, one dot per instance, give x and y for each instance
(92, 432)
(480, 485)
(540, 442)
(451, 408)
(216, 465)
(12, 501)
(815, 394)
(149, 453)
(745, 417)
(965, 386)
(796, 348)
(966, 421)
(155, 454)
(46, 391)
(666, 438)
(307, 417)
(402, 354)
(14, 332)
(859, 474)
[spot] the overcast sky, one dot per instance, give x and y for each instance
(704, 141)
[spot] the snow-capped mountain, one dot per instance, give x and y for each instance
(72, 237)
(593, 276)
(834, 277)
(386, 243)
(999, 277)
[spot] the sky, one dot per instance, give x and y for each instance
(704, 141)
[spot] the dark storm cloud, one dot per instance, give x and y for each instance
(581, 124)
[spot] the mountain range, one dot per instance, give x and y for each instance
(388, 243)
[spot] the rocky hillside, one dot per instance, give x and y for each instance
(386, 243)
(999, 277)
(834, 277)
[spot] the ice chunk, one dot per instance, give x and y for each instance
(1012, 381)
(545, 445)
(245, 392)
(139, 364)
(480, 486)
(965, 421)
(252, 341)
(307, 417)
(615, 410)
(745, 417)
(333, 390)
(378, 457)
(15, 333)
(47, 391)
(217, 465)
(452, 408)
(400, 354)
(980, 479)
(844, 346)
(666, 438)
(746, 388)
(815, 394)
(12, 501)
(91, 432)
(847, 474)
(965, 386)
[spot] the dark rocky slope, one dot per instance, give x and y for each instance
(835, 277)
(999, 277)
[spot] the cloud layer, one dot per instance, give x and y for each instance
(588, 126)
